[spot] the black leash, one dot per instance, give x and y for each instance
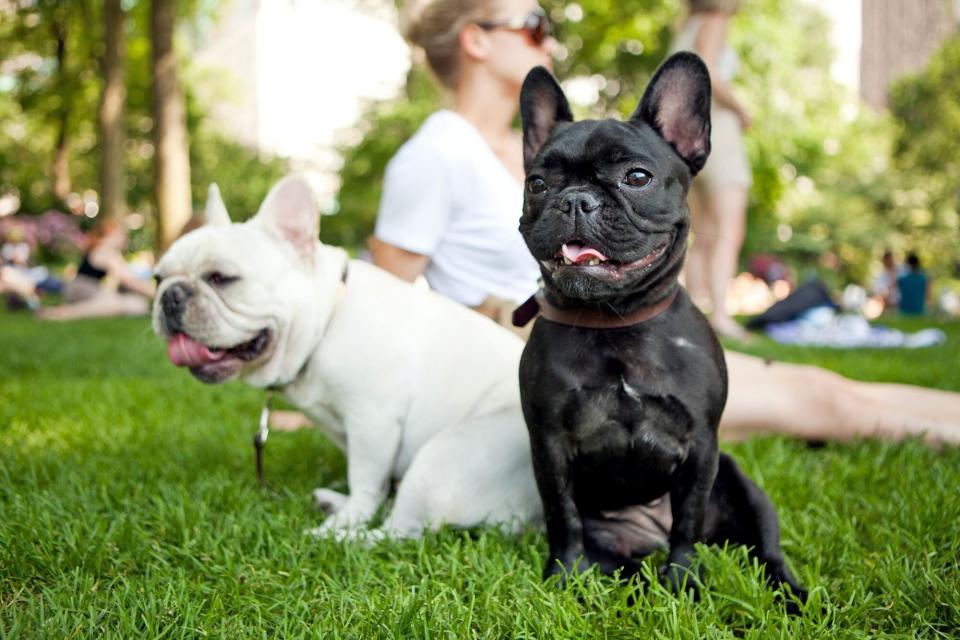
(263, 430)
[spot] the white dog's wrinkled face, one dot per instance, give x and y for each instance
(235, 299)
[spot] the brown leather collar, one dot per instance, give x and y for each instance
(591, 318)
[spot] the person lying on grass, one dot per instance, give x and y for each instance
(89, 294)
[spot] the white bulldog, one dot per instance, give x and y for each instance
(415, 388)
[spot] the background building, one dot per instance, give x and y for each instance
(898, 37)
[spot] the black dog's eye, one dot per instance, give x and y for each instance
(637, 178)
(536, 185)
(157, 278)
(218, 279)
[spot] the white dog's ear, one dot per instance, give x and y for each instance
(215, 213)
(290, 210)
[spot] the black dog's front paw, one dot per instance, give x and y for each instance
(679, 574)
(677, 579)
(564, 568)
(791, 594)
(793, 603)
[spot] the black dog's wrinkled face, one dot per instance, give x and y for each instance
(605, 208)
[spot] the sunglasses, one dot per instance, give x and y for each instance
(536, 25)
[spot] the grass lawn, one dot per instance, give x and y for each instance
(129, 508)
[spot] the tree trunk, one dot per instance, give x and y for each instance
(60, 169)
(112, 129)
(61, 163)
(169, 129)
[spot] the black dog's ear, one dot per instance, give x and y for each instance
(677, 105)
(542, 106)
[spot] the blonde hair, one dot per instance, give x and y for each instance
(435, 26)
(725, 6)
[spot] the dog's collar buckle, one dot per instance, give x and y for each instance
(585, 318)
(263, 431)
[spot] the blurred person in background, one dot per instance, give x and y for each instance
(104, 285)
(885, 284)
(20, 282)
(914, 288)
(718, 197)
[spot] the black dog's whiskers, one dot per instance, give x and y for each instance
(715, 236)
(614, 310)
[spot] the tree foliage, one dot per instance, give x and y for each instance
(49, 94)
(33, 96)
(926, 107)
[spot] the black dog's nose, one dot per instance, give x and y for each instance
(579, 202)
(173, 301)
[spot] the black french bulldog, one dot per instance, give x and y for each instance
(622, 380)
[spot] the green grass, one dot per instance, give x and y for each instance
(129, 508)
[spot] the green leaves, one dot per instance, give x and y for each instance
(37, 95)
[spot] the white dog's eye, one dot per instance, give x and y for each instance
(218, 279)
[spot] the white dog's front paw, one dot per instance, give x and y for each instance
(365, 537)
(341, 526)
(328, 500)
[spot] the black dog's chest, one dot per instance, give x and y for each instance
(617, 433)
(622, 415)
(623, 404)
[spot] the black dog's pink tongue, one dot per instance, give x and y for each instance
(184, 351)
(578, 253)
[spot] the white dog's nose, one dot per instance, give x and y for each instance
(173, 301)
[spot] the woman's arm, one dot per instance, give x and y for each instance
(400, 262)
(114, 264)
(710, 41)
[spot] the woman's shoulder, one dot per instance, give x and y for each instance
(443, 134)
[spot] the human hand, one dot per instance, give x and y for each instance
(744, 118)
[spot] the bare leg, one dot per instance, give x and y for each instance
(103, 305)
(704, 231)
(289, 420)
(729, 208)
(813, 403)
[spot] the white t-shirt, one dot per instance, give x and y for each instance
(447, 195)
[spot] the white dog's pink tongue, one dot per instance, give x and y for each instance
(577, 253)
(187, 352)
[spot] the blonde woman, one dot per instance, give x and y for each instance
(453, 196)
(718, 199)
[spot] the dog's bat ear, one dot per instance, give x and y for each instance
(215, 212)
(542, 107)
(677, 105)
(290, 211)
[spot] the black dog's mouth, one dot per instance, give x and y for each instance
(575, 255)
(215, 364)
